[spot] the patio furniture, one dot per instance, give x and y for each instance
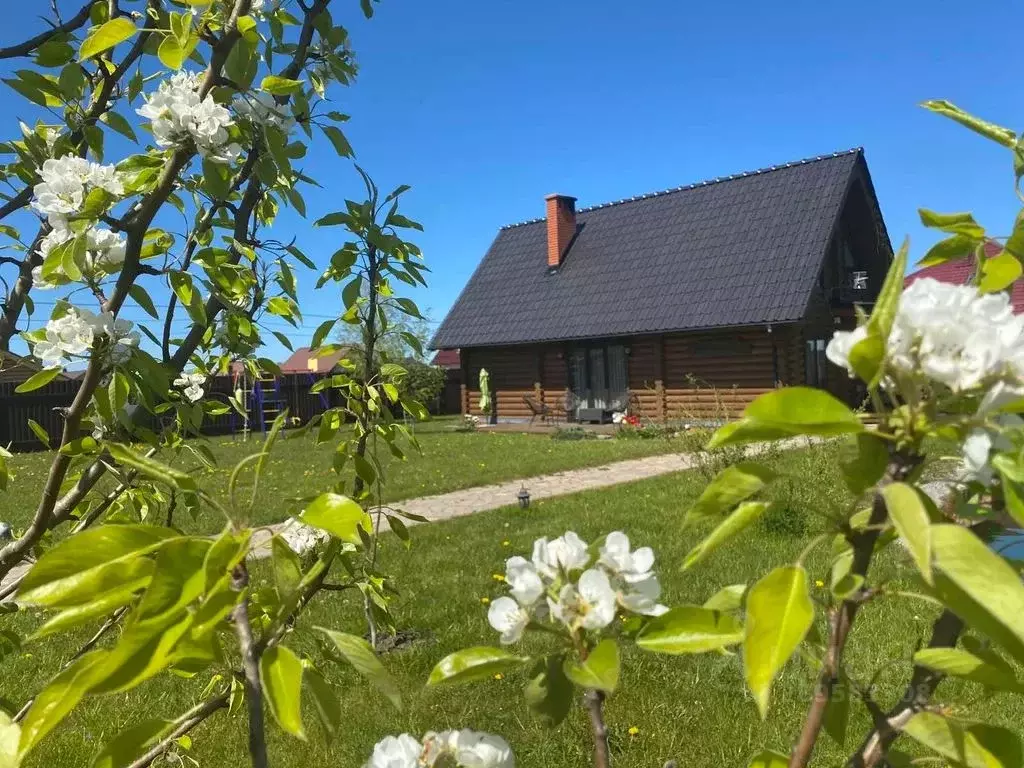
(599, 415)
(538, 408)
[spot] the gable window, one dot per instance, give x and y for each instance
(816, 363)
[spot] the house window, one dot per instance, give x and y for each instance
(816, 362)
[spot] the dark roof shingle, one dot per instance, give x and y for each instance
(735, 251)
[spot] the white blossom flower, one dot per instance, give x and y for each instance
(191, 385)
(261, 108)
(951, 334)
(300, 537)
(469, 749)
(838, 349)
(632, 576)
(562, 555)
(976, 449)
(616, 556)
(508, 618)
(70, 334)
(396, 752)
(589, 604)
(66, 181)
(178, 114)
(523, 580)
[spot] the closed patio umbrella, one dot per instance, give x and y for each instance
(485, 391)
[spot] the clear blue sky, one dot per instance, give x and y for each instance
(484, 107)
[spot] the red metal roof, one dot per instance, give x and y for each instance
(447, 358)
(302, 361)
(959, 272)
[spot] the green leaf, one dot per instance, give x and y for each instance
(38, 379)
(769, 759)
(731, 486)
(980, 587)
(106, 36)
(779, 615)
(996, 133)
(119, 124)
(80, 446)
(970, 747)
(10, 734)
(727, 599)
(961, 663)
(690, 629)
(741, 517)
(281, 678)
(178, 579)
(953, 223)
(600, 670)
(57, 699)
(999, 272)
(280, 86)
(130, 743)
(247, 29)
(321, 332)
(472, 664)
(183, 287)
(339, 515)
(360, 655)
(142, 298)
(97, 606)
(287, 566)
(328, 709)
(867, 355)
(90, 563)
(866, 468)
(789, 412)
(912, 522)
(955, 247)
(837, 711)
(341, 145)
(152, 468)
(364, 469)
(549, 693)
(285, 341)
(38, 431)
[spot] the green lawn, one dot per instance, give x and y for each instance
(449, 461)
(693, 709)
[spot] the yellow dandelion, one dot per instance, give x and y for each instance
(499, 676)
(485, 600)
(497, 577)
(819, 583)
(634, 731)
(506, 543)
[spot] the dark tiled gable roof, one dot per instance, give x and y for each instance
(736, 251)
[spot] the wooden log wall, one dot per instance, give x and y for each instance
(676, 377)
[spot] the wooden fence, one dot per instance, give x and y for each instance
(45, 406)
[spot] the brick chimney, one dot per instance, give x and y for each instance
(561, 226)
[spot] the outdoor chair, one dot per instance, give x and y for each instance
(545, 412)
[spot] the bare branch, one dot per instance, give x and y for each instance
(29, 46)
(593, 701)
(923, 682)
(183, 725)
(251, 669)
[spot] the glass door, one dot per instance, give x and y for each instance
(598, 377)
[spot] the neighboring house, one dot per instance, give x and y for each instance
(451, 397)
(303, 361)
(960, 271)
(673, 302)
(16, 368)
